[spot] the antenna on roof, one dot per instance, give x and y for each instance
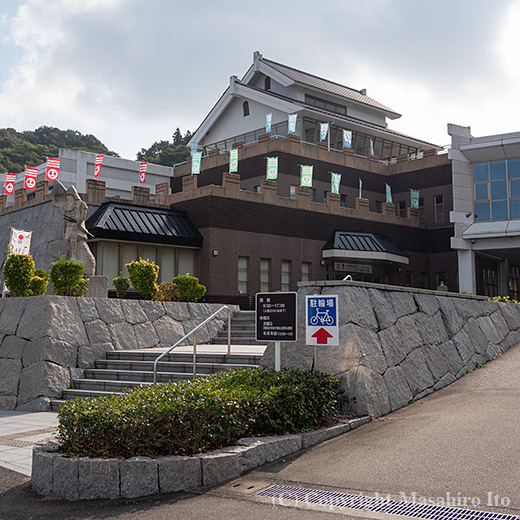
(363, 91)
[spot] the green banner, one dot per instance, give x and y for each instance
(306, 176)
(272, 168)
(335, 182)
(233, 160)
(388, 194)
(195, 163)
(415, 198)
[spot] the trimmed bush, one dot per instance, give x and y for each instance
(198, 415)
(39, 282)
(18, 272)
(122, 284)
(189, 288)
(143, 275)
(167, 292)
(67, 277)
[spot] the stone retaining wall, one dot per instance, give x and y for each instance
(46, 341)
(74, 478)
(398, 345)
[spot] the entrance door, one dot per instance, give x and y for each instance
(487, 276)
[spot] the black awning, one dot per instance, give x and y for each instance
(363, 246)
(129, 223)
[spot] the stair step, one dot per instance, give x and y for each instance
(100, 385)
(72, 393)
(249, 340)
(185, 357)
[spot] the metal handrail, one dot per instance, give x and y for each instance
(194, 332)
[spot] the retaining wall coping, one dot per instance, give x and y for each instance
(82, 478)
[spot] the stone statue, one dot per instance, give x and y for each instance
(74, 211)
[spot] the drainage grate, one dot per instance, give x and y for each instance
(380, 505)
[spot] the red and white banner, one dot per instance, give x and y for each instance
(53, 169)
(9, 183)
(20, 242)
(142, 172)
(30, 178)
(99, 162)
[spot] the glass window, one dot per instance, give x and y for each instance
(439, 208)
(309, 130)
(286, 275)
(312, 194)
(292, 191)
(514, 208)
(480, 172)
(325, 196)
(110, 260)
(167, 271)
(513, 167)
(185, 259)
(128, 254)
(498, 190)
(265, 268)
(482, 211)
(243, 275)
(306, 271)
(150, 253)
(499, 210)
(400, 209)
(497, 170)
(343, 201)
(515, 188)
(245, 108)
(481, 191)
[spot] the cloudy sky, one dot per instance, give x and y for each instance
(130, 71)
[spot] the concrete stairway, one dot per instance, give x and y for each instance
(242, 330)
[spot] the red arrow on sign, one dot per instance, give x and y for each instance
(322, 336)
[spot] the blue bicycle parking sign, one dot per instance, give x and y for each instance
(321, 320)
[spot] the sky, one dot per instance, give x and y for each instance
(130, 72)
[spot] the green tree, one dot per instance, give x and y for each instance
(165, 152)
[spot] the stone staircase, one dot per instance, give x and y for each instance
(124, 369)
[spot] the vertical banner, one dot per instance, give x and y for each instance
(371, 146)
(347, 138)
(142, 172)
(194, 148)
(360, 188)
(335, 181)
(99, 162)
(30, 178)
(233, 160)
(324, 130)
(306, 176)
(268, 120)
(292, 124)
(415, 199)
(53, 169)
(10, 178)
(272, 168)
(20, 242)
(195, 163)
(388, 194)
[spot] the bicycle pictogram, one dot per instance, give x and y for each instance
(321, 316)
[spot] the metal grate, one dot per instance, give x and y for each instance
(380, 505)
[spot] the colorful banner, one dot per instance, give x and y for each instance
(371, 147)
(53, 170)
(20, 242)
(324, 130)
(233, 161)
(292, 123)
(268, 120)
(194, 148)
(195, 163)
(10, 178)
(142, 172)
(99, 162)
(272, 168)
(388, 194)
(415, 199)
(335, 181)
(306, 176)
(360, 188)
(30, 178)
(347, 139)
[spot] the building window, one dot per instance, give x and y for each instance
(379, 206)
(424, 280)
(243, 275)
(245, 108)
(257, 189)
(325, 196)
(343, 202)
(440, 277)
(421, 210)
(265, 271)
(400, 208)
(306, 272)
(292, 191)
(409, 279)
(438, 203)
(286, 275)
(267, 83)
(312, 194)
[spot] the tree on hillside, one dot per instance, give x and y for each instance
(31, 148)
(165, 152)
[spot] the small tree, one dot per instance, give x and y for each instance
(189, 288)
(67, 277)
(122, 284)
(39, 282)
(18, 272)
(167, 292)
(143, 275)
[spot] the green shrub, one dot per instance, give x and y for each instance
(198, 415)
(122, 284)
(143, 275)
(67, 277)
(189, 288)
(39, 282)
(167, 292)
(18, 271)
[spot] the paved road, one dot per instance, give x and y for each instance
(462, 441)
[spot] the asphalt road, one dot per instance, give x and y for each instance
(461, 442)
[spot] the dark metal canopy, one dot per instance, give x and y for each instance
(126, 222)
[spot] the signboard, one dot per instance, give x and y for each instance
(321, 320)
(353, 268)
(276, 316)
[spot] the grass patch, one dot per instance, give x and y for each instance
(198, 415)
